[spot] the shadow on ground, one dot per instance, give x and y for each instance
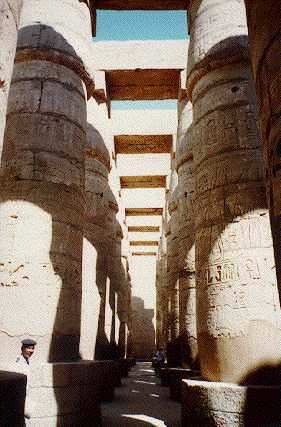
(141, 402)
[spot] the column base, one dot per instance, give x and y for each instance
(12, 398)
(216, 404)
(175, 377)
(164, 376)
(61, 394)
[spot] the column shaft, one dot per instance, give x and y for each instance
(9, 21)
(187, 290)
(264, 19)
(42, 197)
(237, 300)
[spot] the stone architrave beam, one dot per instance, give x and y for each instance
(144, 211)
(149, 181)
(143, 84)
(144, 229)
(140, 55)
(138, 70)
(144, 254)
(144, 243)
(140, 4)
(143, 144)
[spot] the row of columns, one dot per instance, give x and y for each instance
(237, 314)
(63, 279)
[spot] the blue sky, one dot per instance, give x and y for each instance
(141, 25)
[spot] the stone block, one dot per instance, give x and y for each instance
(12, 399)
(175, 377)
(218, 404)
(61, 394)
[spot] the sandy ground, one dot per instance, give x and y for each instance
(141, 402)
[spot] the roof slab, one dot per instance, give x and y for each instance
(143, 211)
(143, 144)
(144, 122)
(149, 181)
(143, 229)
(144, 254)
(139, 4)
(144, 243)
(140, 55)
(137, 85)
(140, 69)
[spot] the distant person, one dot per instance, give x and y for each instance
(158, 360)
(27, 350)
(23, 362)
(160, 356)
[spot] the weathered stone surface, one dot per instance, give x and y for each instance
(186, 262)
(237, 300)
(264, 48)
(42, 181)
(12, 398)
(209, 49)
(172, 263)
(141, 5)
(228, 405)
(9, 21)
(45, 34)
(62, 393)
(95, 246)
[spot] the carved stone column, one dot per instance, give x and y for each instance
(186, 243)
(172, 251)
(264, 19)
(42, 200)
(237, 299)
(9, 21)
(42, 209)
(95, 247)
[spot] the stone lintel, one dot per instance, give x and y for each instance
(144, 211)
(146, 181)
(144, 254)
(141, 84)
(144, 243)
(140, 4)
(142, 144)
(144, 229)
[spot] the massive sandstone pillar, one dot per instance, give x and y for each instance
(264, 18)
(9, 21)
(186, 236)
(95, 248)
(42, 200)
(237, 301)
(172, 250)
(162, 295)
(238, 310)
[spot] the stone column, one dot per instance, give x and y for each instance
(237, 298)
(42, 209)
(163, 289)
(173, 265)
(9, 21)
(264, 19)
(95, 248)
(186, 244)
(42, 201)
